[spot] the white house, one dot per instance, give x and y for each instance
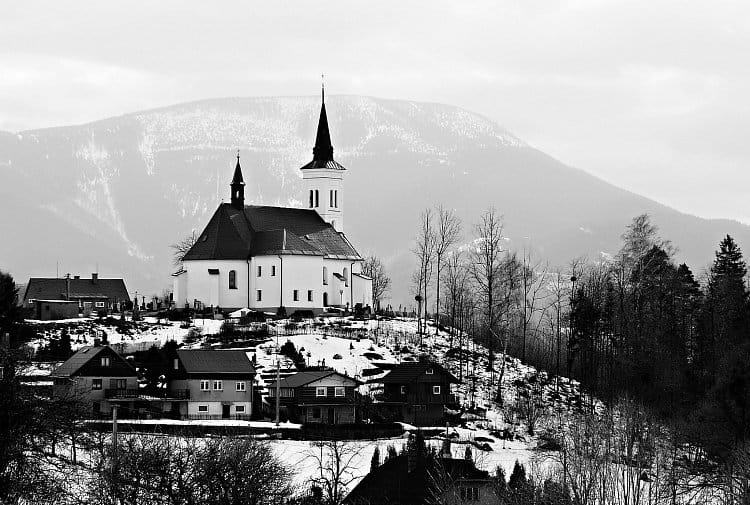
(264, 257)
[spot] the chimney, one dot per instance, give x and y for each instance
(94, 278)
(97, 342)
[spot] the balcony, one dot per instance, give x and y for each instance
(142, 394)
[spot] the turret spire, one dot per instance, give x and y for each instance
(238, 186)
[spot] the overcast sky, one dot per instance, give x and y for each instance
(652, 96)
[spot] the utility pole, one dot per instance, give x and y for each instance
(278, 388)
(114, 452)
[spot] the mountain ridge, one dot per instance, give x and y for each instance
(129, 185)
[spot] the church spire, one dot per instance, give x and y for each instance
(238, 186)
(323, 150)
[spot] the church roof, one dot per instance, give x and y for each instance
(262, 230)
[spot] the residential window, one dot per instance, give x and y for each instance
(325, 276)
(176, 364)
(240, 386)
(96, 384)
(219, 386)
(436, 390)
(309, 295)
(273, 270)
(118, 383)
(205, 386)
(320, 391)
(296, 295)
(99, 305)
(469, 494)
(403, 390)
(430, 371)
(105, 361)
(259, 295)
(316, 412)
(202, 408)
(339, 391)
(239, 408)
(260, 270)
(232, 279)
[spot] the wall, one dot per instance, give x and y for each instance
(214, 289)
(325, 180)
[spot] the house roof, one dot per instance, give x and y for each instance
(409, 372)
(215, 361)
(303, 378)
(42, 288)
(392, 482)
(85, 354)
(262, 230)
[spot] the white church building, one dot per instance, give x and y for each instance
(263, 257)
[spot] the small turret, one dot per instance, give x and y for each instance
(238, 187)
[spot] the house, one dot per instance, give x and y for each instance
(264, 257)
(405, 480)
(219, 384)
(98, 377)
(416, 392)
(94, 294)
(323, 396)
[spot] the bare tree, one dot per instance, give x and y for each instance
(424, 250)
(533, 275)
(447, 233)
(381, 283)
(336, 465)
(485, 262)
(180, 249)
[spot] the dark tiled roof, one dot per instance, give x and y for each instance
(392, 482)
(303, 378)
(409, 372)
(40, 288)
(213, 361)
(259, 230)
(81, 358)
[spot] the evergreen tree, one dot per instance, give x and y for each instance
(390, 452)
(517, 477)
(375, 462)
(467, 454)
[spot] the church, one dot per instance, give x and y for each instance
(264, 257)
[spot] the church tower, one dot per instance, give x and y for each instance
(238, 187)
(323, 178)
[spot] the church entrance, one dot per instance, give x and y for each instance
(325, 299)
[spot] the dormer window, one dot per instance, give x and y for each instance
(176, 364)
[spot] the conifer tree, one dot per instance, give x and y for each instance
(375, 462)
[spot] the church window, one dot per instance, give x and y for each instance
(336, 198)
(260, 270)
(330, 198)
(296, 295)
(259, 295)
(273, 270)
(317, 199)
(325, 276)
(311, 199)
(346, 277)
(309, 295)
(232, 279)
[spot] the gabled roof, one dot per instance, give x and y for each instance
(392, 482)
(409, 372)
(215, 361)
(303, 378)
(263, 230)
(41, 288)
(85, 354)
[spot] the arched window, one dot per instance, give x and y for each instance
(317, 199)
(311, 198)
(325, 276)
(232, 279)
(346, 276)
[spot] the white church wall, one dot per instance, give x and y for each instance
(269, 282)
(302, 273)
(213, 290)
(324, 181)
